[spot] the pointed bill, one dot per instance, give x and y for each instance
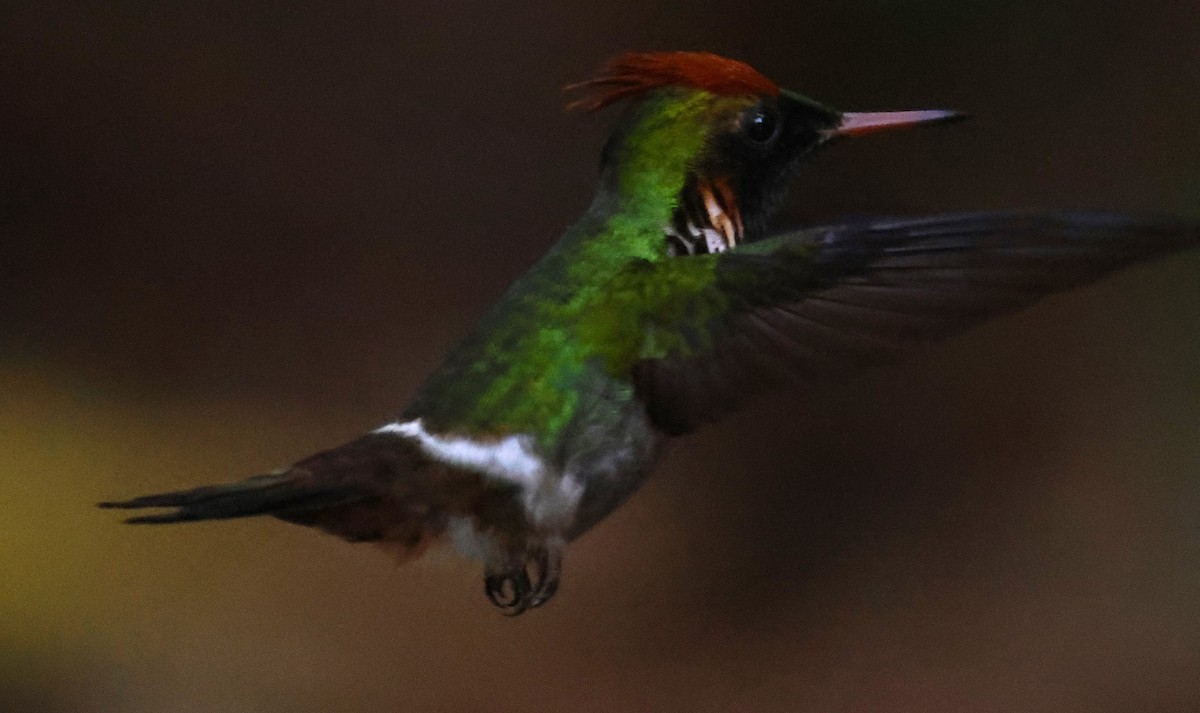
(859, 123)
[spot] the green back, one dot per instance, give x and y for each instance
(579, 314)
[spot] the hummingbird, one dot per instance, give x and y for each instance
(665, 305)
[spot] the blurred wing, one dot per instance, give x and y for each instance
(821, 300)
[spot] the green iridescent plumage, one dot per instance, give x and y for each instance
(606, 293)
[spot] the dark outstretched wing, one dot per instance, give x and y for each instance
(821, 300)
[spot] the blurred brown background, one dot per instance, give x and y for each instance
(231, 234)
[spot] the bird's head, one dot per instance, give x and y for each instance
(714, 143)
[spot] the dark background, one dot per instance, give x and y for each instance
(234, 233)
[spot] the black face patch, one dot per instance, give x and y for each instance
(744, 175)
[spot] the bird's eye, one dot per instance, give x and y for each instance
(760, 125)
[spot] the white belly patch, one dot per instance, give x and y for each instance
(549, 497)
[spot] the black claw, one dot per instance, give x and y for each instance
(544, 595)
(529, 585)
(549, 567)
(510, 592)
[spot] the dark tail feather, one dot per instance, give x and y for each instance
(275, 494)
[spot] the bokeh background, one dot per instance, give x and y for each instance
(234, 233)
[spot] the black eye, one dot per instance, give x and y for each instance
(760, 125)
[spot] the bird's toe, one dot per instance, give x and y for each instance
(525, 583)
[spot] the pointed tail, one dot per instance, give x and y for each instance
(278, 494)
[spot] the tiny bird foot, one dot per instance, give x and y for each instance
(528, 584)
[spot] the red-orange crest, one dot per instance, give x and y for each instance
(636, 73)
